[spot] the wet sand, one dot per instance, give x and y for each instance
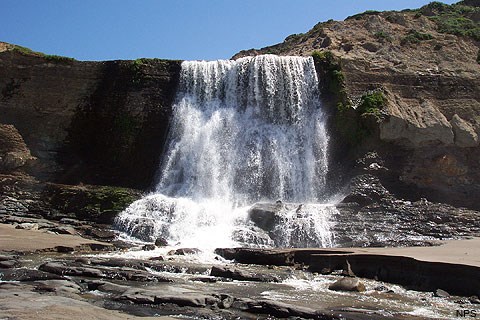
(21, 240)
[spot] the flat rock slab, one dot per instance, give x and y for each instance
(20, 240)
(49, 307)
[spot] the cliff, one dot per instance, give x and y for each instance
(88, 122)
(402, 89)
(423, 66)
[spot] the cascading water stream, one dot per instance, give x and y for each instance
(242, 132)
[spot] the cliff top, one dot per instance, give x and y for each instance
(436, 38)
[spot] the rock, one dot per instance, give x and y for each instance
(64, 249)
(366, 189)
(237, 274)
(257, 256)
(14, 153)
(23, 274)
(474, 300)
(264, 215)
(183, 251)
(186, 300)
(465, 135)
(61, 269)
(27, 226)
(63, 230)
(8, 264)
(99, 246)
(161, 242)
(100, 233)
(72, 222)
(347, 284)
(139, 296)
(8, 257)
(107, 287)
(58, 286)
(149, 247)
(277, 309)
(204, 279)
(441, 293)
(226, 301)
(426, 126)
(159, 258)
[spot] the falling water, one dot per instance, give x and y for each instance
(242, 132)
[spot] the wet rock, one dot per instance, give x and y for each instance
(27, 226)
(106, 286)
(23, 274)
(441, 293)
(159, 258)
(99, 246)
(366, 189)
(149, 247)
(59, 286)
(100, 233)
(226, 301)
(61, 269)
(63, 230)
(264, 215)
(64, 249)
(161, 242)
(474, 300)
(190, 300)
(71, 222)
(183, 251)
(277, 309)
(204, 279)
(242, 275)
(8, 264)
(139, 296)
(257, 256)
(348, 284)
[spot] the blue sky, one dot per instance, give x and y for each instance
(173, 29)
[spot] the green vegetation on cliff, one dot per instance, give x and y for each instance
(461, 19)
(49, 57)
(414, 36)
(354, 122)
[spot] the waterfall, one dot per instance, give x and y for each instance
(242, 132)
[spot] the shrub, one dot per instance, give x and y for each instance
(458, 19)
(371, 104)
(333, 72)
(413, 36)
(383, 36)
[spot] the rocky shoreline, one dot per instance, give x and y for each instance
(53, 260)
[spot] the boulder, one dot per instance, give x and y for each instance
(347, 284)
(183, 251)
(264, 215)
(161, 242)
(149, 247)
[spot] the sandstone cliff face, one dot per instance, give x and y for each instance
(427, 134)
(89, 122)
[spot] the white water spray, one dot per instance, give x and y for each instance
(242, 131)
